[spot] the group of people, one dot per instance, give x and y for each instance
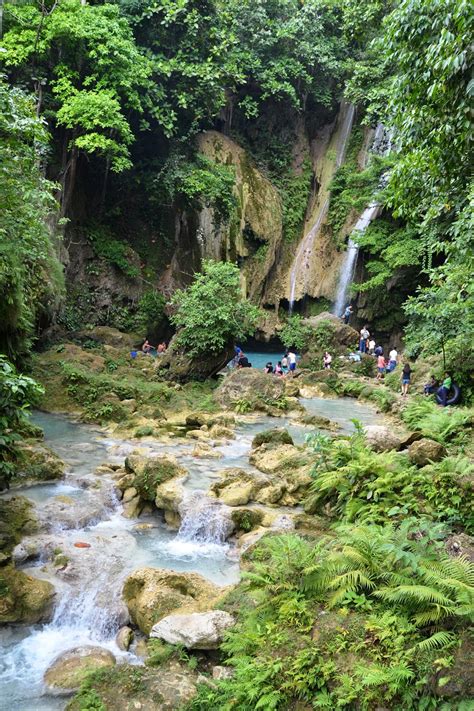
(148, 348)
(286, 365)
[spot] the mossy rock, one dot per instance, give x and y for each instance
(322, 423)
(23, 598)
(246, 520)
(275, 436)
(37, 462)
(69, 670)
(150, 472)
(16, 519)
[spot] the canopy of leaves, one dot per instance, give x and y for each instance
(212, 313)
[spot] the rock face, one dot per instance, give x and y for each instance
(198, 630)
(179, 367)
(124, 638)
(258, 224)
(425, 451)
(152, 593)
(381, 438)
(23, 598)
(68, 671)
(257, 388)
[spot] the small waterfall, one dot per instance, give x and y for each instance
(301, 263)
(204, 520)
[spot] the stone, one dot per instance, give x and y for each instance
(196, 419)
(132, 508)
(152, 593)
(129, 494)
(254, 386)
(381, 438)
(168, 496)
(203, 450)
(150, 472)
(219, 672)
(198, 630)
(322, 423)
(424, 451)
(37, 463)
(197, 434)
(124, 638)
(69, 670)
(221, 432)
(279, 458)
(24, 599)
(130, 405)
(111, 337)
(274, 436)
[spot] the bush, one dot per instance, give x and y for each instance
(211, 313)
(295, 334)
(442, 424)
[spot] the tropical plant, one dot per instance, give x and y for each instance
(295, 334)
(17, 394)
(211, 313)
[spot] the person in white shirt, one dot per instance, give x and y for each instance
(292, 360)
(327, 360)
(364, 335)
(371, 346)
(392, 360)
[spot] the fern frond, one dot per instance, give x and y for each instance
(439, 640)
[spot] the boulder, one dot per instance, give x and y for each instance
(257, 388)
(69, 670)
(152, 593)
(270, 458)
(221, 432)
(381, 438)
(150, 472)
(168, 496)
(220, 672)
(339, 333)
(38, 463)
(17, 518)
(198, 630)
(179, 367)
(425, 451)
(275, 436)
(124, 638)
(322, 423)
(202, 450)
(111, 337)
(23, 598)
(133, 507)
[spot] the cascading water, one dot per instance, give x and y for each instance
(382, 145)
(301, 263)
(350, 259)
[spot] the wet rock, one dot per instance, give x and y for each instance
(381, 438)
(173, 519)
(17, 518)
(202, 450)
(129, 494)
(221, 432)
(425, 451)
(198, 630)
(253, 386)
(69, 670)
(103, 469)
(124, 638)
(274, 436)
(197, 419)
(38, 463)
(322, 423)
(69, 513)
(23, 598)
(197, 434)
(27, 550)
(152, 593)
(280, 458)
(237, 487)
(150, 472)
(133, 507)
(168, 496)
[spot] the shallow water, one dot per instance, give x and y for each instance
(88, 604)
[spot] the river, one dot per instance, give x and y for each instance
(88, 607)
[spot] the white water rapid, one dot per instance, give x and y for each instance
(301, 263)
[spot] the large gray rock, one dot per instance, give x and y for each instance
(381, 438)
(198, 630)
(425, 451)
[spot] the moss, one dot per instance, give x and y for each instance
(16, 518)
(246, 520)
(275, 436)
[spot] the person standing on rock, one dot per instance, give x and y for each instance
(406, 377)
(284, 363)
(327, 360)
(380, 366)
(347, 314)
(364, 335)
(292, 361)
(371, 347)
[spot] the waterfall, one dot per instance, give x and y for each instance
(204, 520)
(350, 258)
(302, 258)
(382, 145)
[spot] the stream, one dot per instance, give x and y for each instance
(88, 607)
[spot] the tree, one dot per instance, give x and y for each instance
(89, 75)
(17, 393)
(31, 278)
(212, 312)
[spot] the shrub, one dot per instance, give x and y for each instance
(211, 313)
(295, 334)
(441, 424)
